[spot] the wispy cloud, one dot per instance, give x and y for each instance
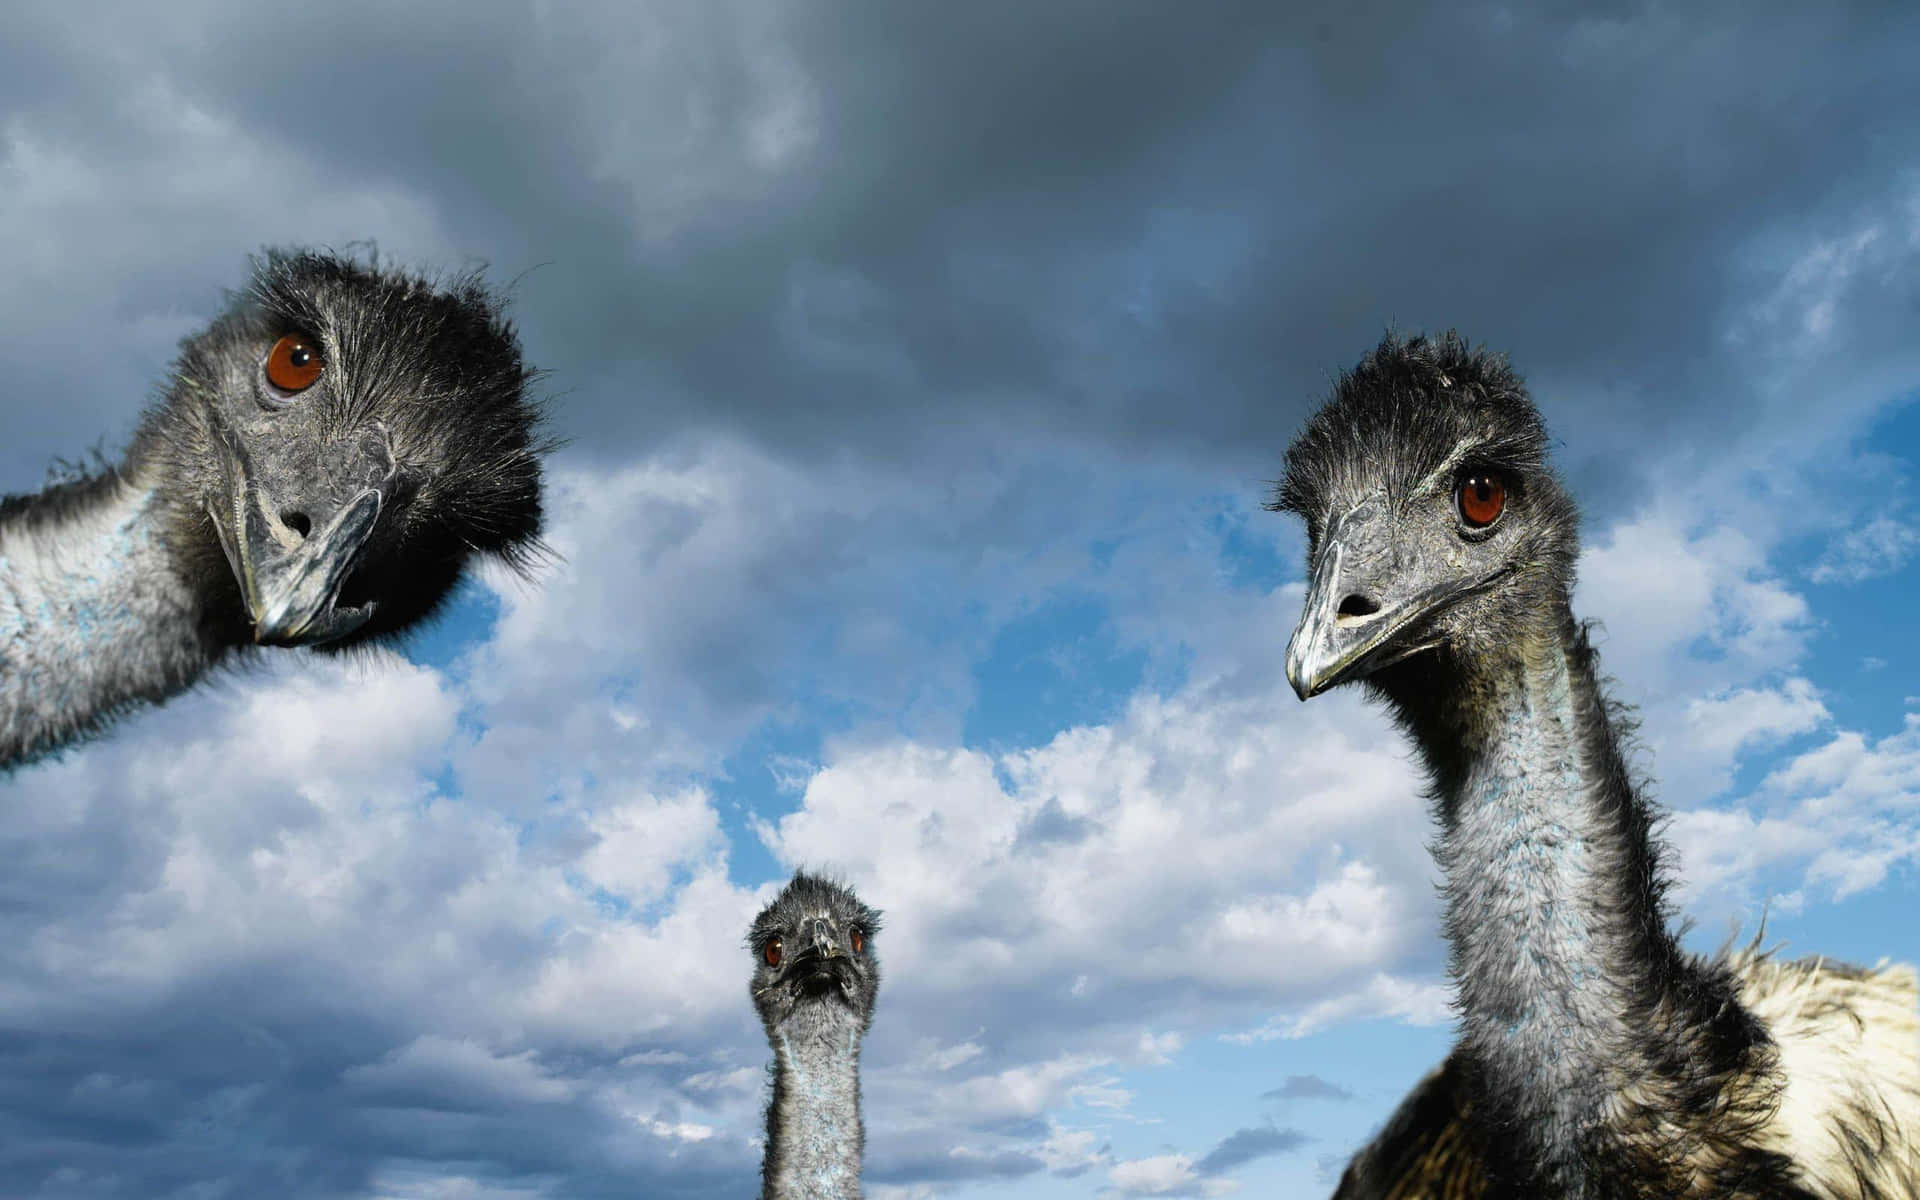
(1307, 1087)
(1183, 1175)
(1880, 547)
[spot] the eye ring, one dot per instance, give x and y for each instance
(1481, 497)
(858, 939)
(294, 364)
(771, 952)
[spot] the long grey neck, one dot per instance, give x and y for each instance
(94, 617)
(1577, 1005)
(814, 1135)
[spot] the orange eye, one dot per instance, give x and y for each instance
(294, 363)
(859, 941)
(1483, 495)
(772, 953)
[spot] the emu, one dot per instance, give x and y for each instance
(1595, 1057)
(326, 460)
(815, 980)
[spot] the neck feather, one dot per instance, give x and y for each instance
(94, 616)
(814, 1135)
(1586, 1027)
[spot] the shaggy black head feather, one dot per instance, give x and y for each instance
(1401, 429)
(326, 459)
(816, 921)
(429, 362)
(1401, 411)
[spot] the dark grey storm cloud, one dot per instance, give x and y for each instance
(1158, 225)
(259, 1097)
(170, 1103)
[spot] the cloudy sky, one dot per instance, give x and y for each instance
(923, 367)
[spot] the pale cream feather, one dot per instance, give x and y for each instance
(1849, 1045)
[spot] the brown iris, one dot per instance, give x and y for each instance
(859, 941)
(772, 953)
(1483, 495)
(294, 363)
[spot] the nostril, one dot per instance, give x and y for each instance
(297, 521)
(1356, 605)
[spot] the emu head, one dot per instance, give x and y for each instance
(1434, 525)
(814, 962)
(341, 443)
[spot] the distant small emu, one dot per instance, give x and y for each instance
(815, 979)
(326, 460)
(1596, 1058)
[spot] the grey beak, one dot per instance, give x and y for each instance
(290, 578)
(826, 941)
(1367, 606)
(1325, 647)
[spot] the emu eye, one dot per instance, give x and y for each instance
(1483, 496)
(772, 953)
(294, 363)
(859, 940)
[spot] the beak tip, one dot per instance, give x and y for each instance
(1300, 672)
(265, 635)
(292, 596)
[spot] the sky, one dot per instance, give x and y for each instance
(923, 369)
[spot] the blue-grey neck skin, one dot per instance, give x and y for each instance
(1545, 957)
(94, 617)
(816, 1139)
(1603, 1056)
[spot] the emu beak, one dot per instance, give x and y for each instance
(1367, 606)
(290, 577)
(826, 942)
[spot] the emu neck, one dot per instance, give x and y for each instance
(93, 616)
(1559, 946)
(814, 1135)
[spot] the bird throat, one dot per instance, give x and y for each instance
(817, 1135)
(1555, 931)
(93, 617)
